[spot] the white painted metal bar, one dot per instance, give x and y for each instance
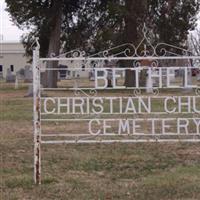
(124, 68)
(118, 113)
(126, 97)
(120, 141)
(37, 117)
(64, 135)
(104, 89)
(122, 58)
(114, 119)
(122, 135)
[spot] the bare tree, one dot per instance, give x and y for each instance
(194, 45)
(194, 41)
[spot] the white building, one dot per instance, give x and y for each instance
(12, 56)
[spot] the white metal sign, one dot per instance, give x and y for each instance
(97, 104)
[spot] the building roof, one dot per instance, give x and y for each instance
(7, 47)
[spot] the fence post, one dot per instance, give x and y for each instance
(36, 115)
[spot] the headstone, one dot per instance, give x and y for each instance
(92, 75)
(30, 91)
(150, 82)
(20, 74)
(1, 75)
(10, 77)
(28, 75)
(198, 74)
(68, 75)
(189, 81)
(149, 85)
(16, 83)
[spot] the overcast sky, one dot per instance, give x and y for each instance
(7, 28)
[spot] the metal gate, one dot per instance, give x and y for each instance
(144, 93)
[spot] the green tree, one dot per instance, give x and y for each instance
(44, 19)
(97, 25)
(114, 22)
(108, 23)
(174, 19)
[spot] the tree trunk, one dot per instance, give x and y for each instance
(131, 21)
(135, 11)
(129, 74)
(51, 76)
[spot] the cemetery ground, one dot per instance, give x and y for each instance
(90, 171)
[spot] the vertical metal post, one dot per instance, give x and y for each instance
(36, 115)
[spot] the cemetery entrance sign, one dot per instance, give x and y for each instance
(127, 94)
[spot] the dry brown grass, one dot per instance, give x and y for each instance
(117, 171)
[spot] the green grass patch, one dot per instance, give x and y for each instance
(23, 181)
(17, 109)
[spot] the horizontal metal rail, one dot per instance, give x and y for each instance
(117, 113)
(114, 119)
(122, 58)
(122, 68)
(122, 135)
(127, 88)
(120, 141)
